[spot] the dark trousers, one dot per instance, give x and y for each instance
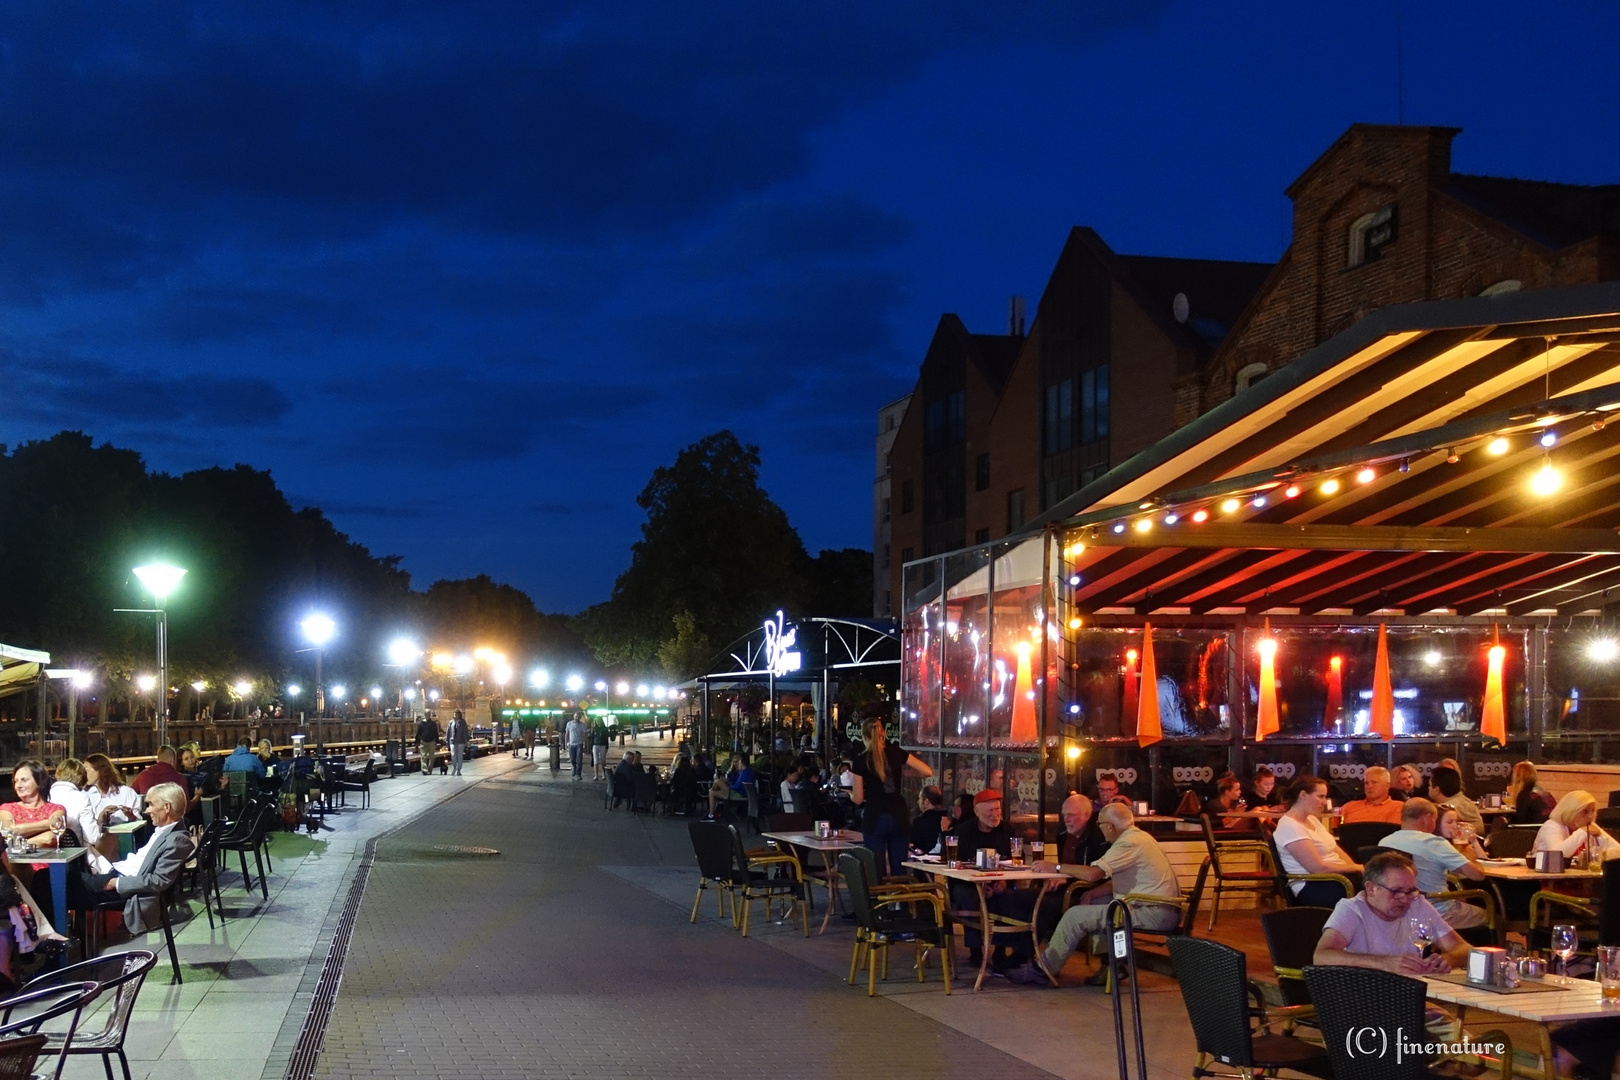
(885, 840)
(86, 890)
(1013, 903)
(1320, 894)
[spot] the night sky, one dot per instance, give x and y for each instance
(463, 274)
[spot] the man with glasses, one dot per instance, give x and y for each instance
(1378, 927)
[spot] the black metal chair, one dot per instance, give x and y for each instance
(1214, 980)
(121, 973)
(205, 870)
(1597, 920)
(754, 870)
(644, 792)
(165, 900)
(40, 1007)
(880, 922)
(711, 843)
(1513, 842)
(1359, 834)
(360, 781)
(1291, 937)
(251, 832)
(1352, 1000)
(18, 1056)
(1221, 855)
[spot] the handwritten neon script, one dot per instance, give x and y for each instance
(779, 641)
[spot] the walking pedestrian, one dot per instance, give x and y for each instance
(599, 747)
(459, 735)
(427, 742)
(576, 745)
(530, 732)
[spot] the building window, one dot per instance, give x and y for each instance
(1370, 234)
(886, 509)
(945, 421)
(1247, 376)
(981, 472)
(1015, 510)
(981, 536)
(1501, 287)
(1094, 404)
(1057, 422)
(907, 497)
(885, 556)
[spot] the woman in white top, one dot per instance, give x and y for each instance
(1307, 847)
(1570, 829)
(66, 792)
(112, 801)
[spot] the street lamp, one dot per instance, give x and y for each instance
(242, 688)
(160, 580)
(318, 630)
(574, 683)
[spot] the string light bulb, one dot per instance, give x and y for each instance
(1497, 446)
(1330, 487)
(1230, 506)
(1291, 491)
(1549, 438)
(1366, 476)
(1259, 502)
(1171, 518)
(1144, 525)
(1200, 516)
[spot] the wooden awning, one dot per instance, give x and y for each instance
(1390, 469)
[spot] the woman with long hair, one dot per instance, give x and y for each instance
(1307, 847)
(879, 789)
(1532, 804)
(108, 798)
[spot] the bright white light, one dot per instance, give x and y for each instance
(402, 651)
(199, 686)
(83, 679)
(433, 695)
(1603, 650)
(539, 678)
(376, 691)
(1548, 438)
(146, 682)
(339, 692)
(574, 682)
(1497, 447)
(318, 629)
(600, 686)
(242, 687)
(160, 579)
(410, 693)
(621, 687)
(1431, 658)
(502, 673)
(294, 690)
(1546, 481)
(464, 664)
(642, 690)
(658, 692)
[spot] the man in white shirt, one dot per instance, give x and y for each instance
(1133, 864)
(143, 875)
(575, 734)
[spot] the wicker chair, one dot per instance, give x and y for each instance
(879, 924)
(1291, 937)
(41, 1007)
(756, 881)
(1215, 988)
(1358, 1000)
(18, 1056)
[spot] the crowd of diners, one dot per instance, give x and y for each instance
(1437, 829)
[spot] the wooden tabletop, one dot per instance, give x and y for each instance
(1517, 871)
(842, 840)
(1582, 1000)
(972, 876)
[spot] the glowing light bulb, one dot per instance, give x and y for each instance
(1268, 648)
(1549, 438)
(1200, 516)
(1497, 447)
(1366, 476)
(1431, 658)
(1259, 502)
(1230, 506)
(1547, 480)
(1119, 527)
(1330, 487)
(1171, 519)
(1144, 525)
(1603, 650)
(1291, 491)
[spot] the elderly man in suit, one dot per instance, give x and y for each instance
(148, 871)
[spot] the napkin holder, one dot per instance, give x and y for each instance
(1547, 862)
(1485, 965)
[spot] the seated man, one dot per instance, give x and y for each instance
(145, 873)
(985, 829)
(1229, 800)
(1448, 783)
(930, 823)
(1080, 842)
(1376, 804)
(1374, 927)
(1434, 857)
(243, 759)
(1133, 864)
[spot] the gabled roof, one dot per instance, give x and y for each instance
(1404, 390)
(1553, 215)
(994, 355)
(1217, 290)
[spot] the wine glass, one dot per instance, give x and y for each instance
(1564, 940)
(1422, 934)
(58, 827)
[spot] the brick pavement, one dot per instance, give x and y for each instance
(538, 963)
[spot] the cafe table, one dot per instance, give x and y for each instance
(58, 860)
(829, 847)
(989, 927)
(1556, 1000)
(1516, 870)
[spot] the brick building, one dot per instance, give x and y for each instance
(889, 418)
(1125, 349)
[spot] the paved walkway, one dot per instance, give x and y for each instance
(248, 983)
(569, 955)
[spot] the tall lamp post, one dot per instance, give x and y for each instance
(160, 580)
(318, 630)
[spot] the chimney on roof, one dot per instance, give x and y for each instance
(1015, 316)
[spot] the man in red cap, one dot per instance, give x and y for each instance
(985, 829)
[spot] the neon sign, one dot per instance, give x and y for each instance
(780, 656)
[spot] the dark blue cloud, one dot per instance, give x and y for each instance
(79, 393)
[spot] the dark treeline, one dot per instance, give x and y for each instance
(75, 518)
(716, 556)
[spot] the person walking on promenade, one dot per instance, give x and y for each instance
(530, 733)
(427, 742)
(599, 747)
(458, 736)
(576, 745)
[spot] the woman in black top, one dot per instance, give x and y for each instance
(880, 790)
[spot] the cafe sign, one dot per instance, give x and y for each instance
(780, 655)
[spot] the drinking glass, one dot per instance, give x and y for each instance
(1608, 971)
(950, 852)
(1564, 940)
(1015, 850)
(1422, 934)
(58, 827)
(1037, 851)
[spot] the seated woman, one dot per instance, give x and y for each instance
(1307, 847)
(112, 801)
(1532, 804)
(31, 816)
(67, 792)
(1571, 829)
(1228, 799)
(27, 929)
